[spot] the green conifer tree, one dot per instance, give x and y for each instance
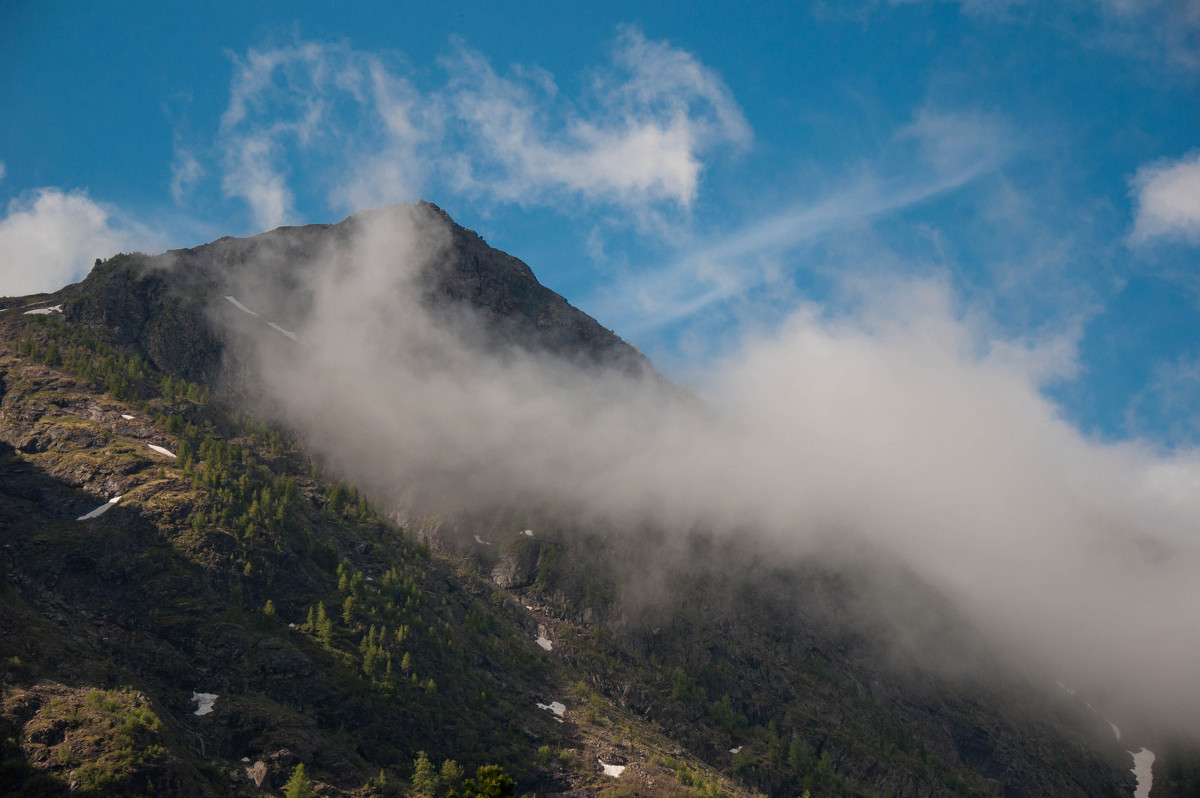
(425, 778)
(298, 785)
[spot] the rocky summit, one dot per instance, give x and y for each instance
(195, 602)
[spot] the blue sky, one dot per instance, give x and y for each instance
(692, 174)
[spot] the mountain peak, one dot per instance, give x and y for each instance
(146, 301)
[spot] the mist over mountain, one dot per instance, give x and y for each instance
(870, 539)
(902, 430)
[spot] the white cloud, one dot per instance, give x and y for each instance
(275, 98)
(654, 115)
(251, 173)
(392, 163)
(185, 172)
(1168, 199)
(951, 141)
(255, 75)
(52, 237)
(337, 113)
(3, 170)
(367, 136)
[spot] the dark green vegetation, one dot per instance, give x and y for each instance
(353, 657)
(181, 571)
(331, 637)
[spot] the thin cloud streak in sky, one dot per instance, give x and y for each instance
(687, 287)
(1152, 30)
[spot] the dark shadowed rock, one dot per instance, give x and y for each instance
(161, 306)
(518, 563)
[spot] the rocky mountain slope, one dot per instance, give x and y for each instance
(194, 603)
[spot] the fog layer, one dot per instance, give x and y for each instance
(902, 424)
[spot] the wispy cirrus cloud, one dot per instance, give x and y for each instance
(1156, 30)
(1167, 195)
(937, 153)
(638, 139)
(279, 106)
(186, 171)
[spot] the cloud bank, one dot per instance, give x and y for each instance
(51, 238)
(902, 423)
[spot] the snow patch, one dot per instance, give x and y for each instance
(101, 510)
(735, 750)
(544, 642)
(44, 311)
(240, 306)
(481, 541)
(161, 450)
(291, 626)
(204, 701)
(1143, 761)
(528, 533)
(611, 770)
(556, 707)
(1116, 731)
(288, 333)
(245, 759)
(127, 417)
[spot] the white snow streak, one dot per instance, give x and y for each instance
(44, 311)
(556, 707)
(162, 451)
(611, 770)
(544, 642)
(101, 510)
(481, 541)
(288, 333)
(240, 306)
(205, 702)
(1143, 761)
